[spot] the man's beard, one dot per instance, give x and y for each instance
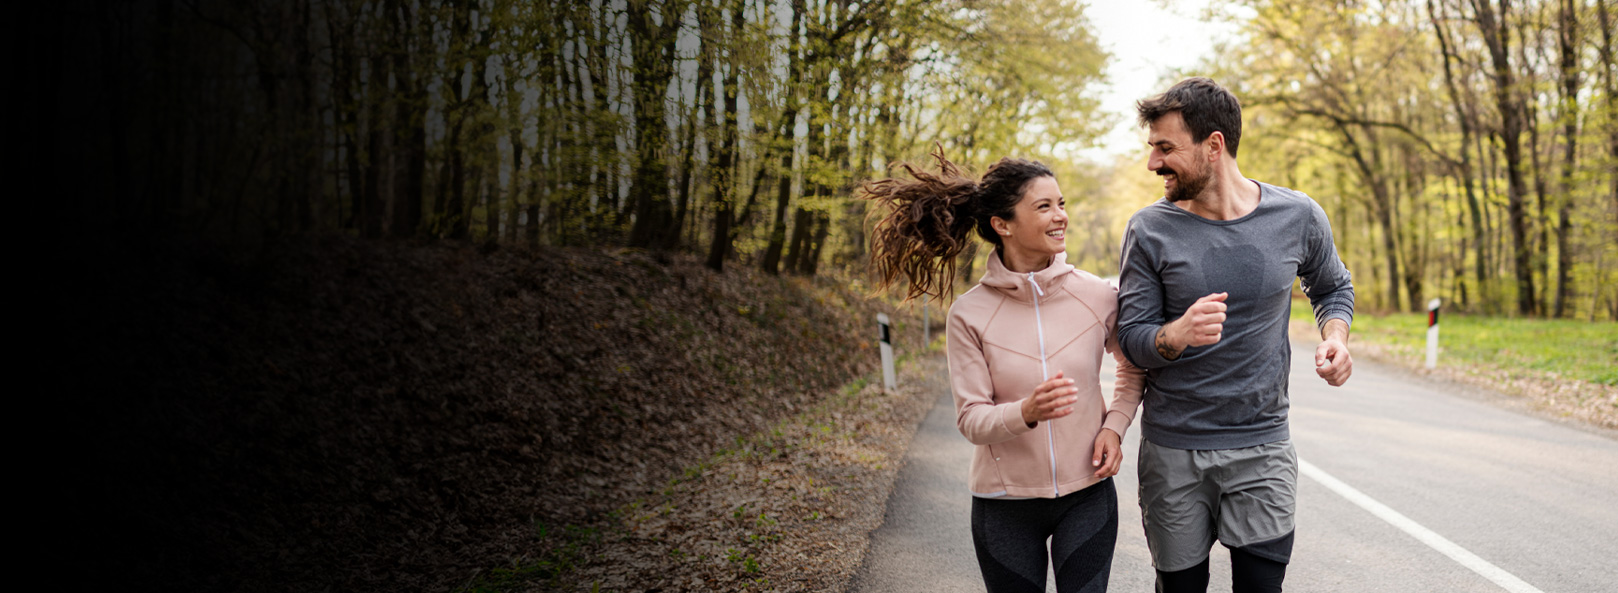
(1186, 188)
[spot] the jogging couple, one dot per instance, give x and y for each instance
(1198, 327)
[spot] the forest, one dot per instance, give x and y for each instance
(1465, 149)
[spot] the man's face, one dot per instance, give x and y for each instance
(1182, 164)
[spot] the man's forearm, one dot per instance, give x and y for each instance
(1165, 348)
(1335, 328)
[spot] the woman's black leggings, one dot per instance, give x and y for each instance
(1082, 527)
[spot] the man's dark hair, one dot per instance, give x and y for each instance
(1205, 106)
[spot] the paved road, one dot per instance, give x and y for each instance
(1433, 491)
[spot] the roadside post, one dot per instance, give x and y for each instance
(886, 337)
(1432, 334)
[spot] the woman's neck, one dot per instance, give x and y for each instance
(1023, 262)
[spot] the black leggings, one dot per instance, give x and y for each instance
(1249, 573)
(1010, 539)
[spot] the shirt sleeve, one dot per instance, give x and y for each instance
(1140, 302)
(977, 416)
(1324, 278)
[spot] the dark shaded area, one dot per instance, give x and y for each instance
(245, 398)
(337, 413)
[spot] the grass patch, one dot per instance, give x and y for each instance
(1565, 348)
(563, 553)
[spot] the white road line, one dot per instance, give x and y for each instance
(1457, 553)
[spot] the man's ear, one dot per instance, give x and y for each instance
(1216, 146)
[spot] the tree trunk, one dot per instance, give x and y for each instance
(455, 215)
(683, 199)
(514, 136)
(654, 55)
(1496, 35)
(491, 207)
(811, 265)
(1370, 169)
(343, 72)
(408, 116)
(1480, 260)
(801, 222)
(532, 229)
(1568, 44)
(1541, 245)
(1610, 88)
(788, 142)
(725, 159)
(371, 206)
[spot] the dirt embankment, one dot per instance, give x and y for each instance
(336, 414)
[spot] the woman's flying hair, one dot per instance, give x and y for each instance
(927, 220)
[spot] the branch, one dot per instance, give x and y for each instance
(1351, 120)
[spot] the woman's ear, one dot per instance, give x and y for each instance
(999, 225)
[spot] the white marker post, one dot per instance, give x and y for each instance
(886, 339)
(1432, 334)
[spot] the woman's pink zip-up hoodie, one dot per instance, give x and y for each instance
(1012, 332)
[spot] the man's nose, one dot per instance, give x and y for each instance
(1153, 163)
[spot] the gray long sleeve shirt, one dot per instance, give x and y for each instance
(1231, 394)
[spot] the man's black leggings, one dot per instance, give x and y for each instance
(1082, 527)
(1249, 573)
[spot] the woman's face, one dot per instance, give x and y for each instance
(1039, 226)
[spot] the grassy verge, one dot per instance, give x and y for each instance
(1566, 368)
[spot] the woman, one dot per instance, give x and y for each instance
(1025, 350)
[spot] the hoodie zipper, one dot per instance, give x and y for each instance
(1050, 432)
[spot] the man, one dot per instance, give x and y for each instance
(1204, 296)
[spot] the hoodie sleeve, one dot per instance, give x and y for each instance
(977, 416)
(1129, 383)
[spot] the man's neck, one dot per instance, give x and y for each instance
(1230, 196)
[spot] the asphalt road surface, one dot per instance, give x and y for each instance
(1406, 487)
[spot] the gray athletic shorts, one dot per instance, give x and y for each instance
(1239, 496)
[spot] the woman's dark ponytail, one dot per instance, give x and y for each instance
(930, 217)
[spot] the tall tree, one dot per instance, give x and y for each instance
(725, 157)
(654, 55)
(788, 138)
(1568, 46)
(1496, 32)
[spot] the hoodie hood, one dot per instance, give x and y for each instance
(1015, 285)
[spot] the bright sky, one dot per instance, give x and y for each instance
(1147, 40)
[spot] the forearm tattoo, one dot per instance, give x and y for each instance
(1164, 349)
